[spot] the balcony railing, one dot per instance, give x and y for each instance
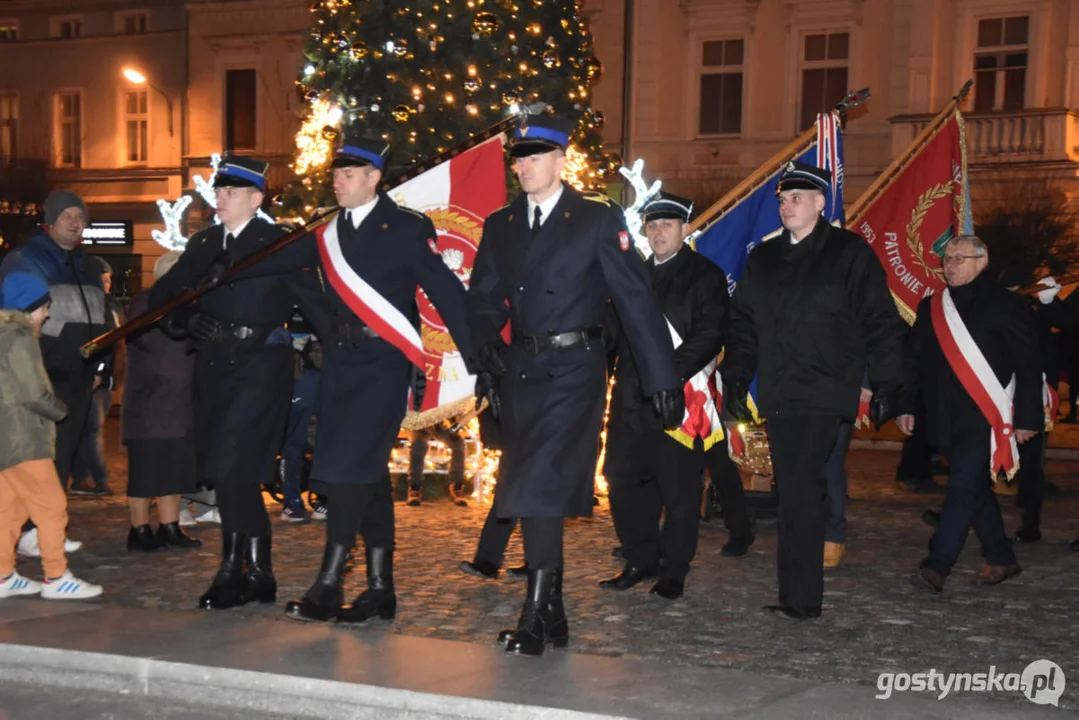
(1044, 136)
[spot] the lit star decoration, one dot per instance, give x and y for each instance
(205, 188)
(173, 215)
(641, 195)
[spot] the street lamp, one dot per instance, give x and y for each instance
(135, 77)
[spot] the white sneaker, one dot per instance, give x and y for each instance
(69, 587)
(210, 516)
(16, 585)
(28, 545)
(187, 518)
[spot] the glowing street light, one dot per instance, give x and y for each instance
(135, 77)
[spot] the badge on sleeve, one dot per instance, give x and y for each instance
(623, 240)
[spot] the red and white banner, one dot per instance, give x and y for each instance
(701, 419)
(922, 207)
(981, 383)
(457, 195)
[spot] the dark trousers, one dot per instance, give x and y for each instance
(914, 461)
(366, 509)
(418, 453)
(242, 509)
(304, 395)
(969, 501)
(543, 542)
(77, 394)
(835, 515)
(729, 490)
(800, 447)
(494, 537)
(655, 477)
(1031, 479)
(89, 459)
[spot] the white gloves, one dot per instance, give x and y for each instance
(1046, 296)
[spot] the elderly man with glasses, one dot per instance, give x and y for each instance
(973, 357)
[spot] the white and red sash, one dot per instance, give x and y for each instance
(370, 306)
(978, 379)
(701, 419)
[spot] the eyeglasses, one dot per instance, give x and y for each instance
(957, 259)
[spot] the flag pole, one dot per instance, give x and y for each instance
(793, 149)
(885, 178)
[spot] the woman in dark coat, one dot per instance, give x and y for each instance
(158, 429)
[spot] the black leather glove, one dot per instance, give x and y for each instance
(197, 325)
(735, 403)
(883, 407)
(487, 387)
(491, 358)
(215, 272)
(670, 406)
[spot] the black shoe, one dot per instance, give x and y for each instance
(480, 568)
(260, 585)
(737, 546)
(457, 495)
(791, 612)
(322, 602)
(669, 588)
(83, 488)
(558, 625)
(414, 499)
(226, 590)
(617, 553)
(927, 579)
(629, 577)
(143, 538)
(518, 572)
(531, 637)
(172, 535)
(379, 599)
(931, 518)
(1028, 535)
(1070, 420)
(922, 486)
(1074, 545)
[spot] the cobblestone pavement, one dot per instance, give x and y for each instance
(873, 621)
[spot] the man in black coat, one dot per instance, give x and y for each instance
(374, 254)
(810, 312)
(942, 368)
(651, 471)
(243, 376)
(548, 262)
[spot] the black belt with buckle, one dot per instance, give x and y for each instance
(536, 344)
(240, 332)
(346, 331)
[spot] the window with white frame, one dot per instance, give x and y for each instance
(825, 66)
(136, 117)
(1000, 63)
(721, 87)
(133, 23)
(9, 124)
(67, 28)
(9, 31)
(69, 128)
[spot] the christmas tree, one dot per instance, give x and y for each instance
(428, 74)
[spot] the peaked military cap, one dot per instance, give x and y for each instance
(667, 206)
(240, 171)
(800, 176)
(360, 150)
(537, 134)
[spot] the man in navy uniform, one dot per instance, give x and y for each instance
(243, 375)
(811, 310)
(548, 262)
(374, 254)
(650, 471)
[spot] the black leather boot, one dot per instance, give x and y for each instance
(173, 536)
(379, 599)
(557, 624)
(322, 602)
(226, 590)
(142, 538)
(260, 585)
(531, 637)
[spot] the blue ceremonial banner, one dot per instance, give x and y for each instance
(728, 239)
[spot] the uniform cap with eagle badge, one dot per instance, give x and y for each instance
(666, 206)
(240, 171)
(800, 176)
(361, 150)
(537, 134)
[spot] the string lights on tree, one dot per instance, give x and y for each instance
(428, 74)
